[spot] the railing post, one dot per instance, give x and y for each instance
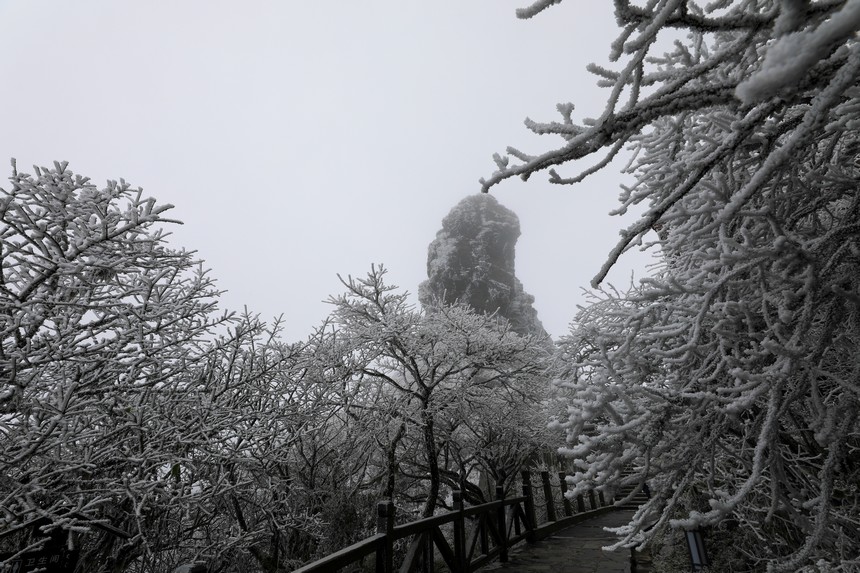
(562, 480)
(502, 525)
(384, 524)
(591, 499)
(484, 520)
(459, 534)
(429, 563)
(580, 504)
(547, 496)
(601, 498)
(530, 506)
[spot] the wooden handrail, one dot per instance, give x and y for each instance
(344, 557)
(491, 505)
(504, 521)
(422, 525)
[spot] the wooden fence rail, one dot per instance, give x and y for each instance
(477, 535)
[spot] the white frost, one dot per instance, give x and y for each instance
(792, 56)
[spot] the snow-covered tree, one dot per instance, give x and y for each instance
(128, 405)
(729, 380)
(100, 323)
(420, 377)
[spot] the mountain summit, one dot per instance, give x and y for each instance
(472, 261)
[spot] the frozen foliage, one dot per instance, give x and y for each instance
(100, 322)
(790, 58)
(472, 261)
(127, 403)
(729, 380)
(145, 430)
(445, 394)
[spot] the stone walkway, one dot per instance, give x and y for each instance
(572, 550)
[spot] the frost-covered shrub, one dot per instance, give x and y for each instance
(128, 403)
(101, 322)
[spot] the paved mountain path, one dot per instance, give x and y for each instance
(575, 549)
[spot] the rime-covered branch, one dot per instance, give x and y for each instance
(727, 380)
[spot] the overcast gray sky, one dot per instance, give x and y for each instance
(299, 140)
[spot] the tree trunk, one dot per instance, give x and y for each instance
(393, 466)
(432, 462)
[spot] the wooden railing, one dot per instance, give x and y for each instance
(476, 534)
